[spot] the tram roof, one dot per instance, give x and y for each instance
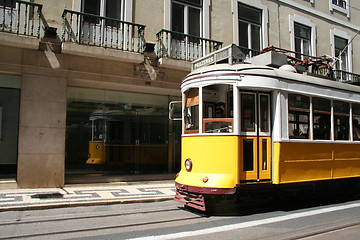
(245, 69)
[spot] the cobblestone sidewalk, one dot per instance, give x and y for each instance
(24, 199)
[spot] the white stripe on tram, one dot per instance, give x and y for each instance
(247, 224)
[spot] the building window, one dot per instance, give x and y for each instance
(342, 6)
(104, 8)
(186, 30)
(303, 37)
(341, 52)
(340, 3)
(250, 22)
(341, 48)
(102, 24)
(8, 3)
(302, 40)
(186, 17)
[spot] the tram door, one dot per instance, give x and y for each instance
(255, 140)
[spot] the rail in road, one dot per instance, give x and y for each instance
(168, 220)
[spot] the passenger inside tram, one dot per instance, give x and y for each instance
(215, 125)
(321, 129)
(341, 128)
(219, 112)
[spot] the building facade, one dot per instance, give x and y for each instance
(85, 84)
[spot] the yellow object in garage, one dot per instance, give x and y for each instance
(96, 153)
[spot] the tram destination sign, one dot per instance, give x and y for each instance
(232, 53)
(206, 61)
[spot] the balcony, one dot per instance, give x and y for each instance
(20, 18)
(249, 52)
(180, 46)
(93, 30)
(348, 77)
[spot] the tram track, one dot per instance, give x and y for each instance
(90, 216)
(79, 230)
(325, 231)
(60, 227)
(123, 223)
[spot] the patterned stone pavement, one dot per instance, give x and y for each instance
(26, 199)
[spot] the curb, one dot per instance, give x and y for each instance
(82, 204)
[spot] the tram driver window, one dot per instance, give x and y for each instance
(98, 128)
(299, 111)
(191, 111)
(218, 108)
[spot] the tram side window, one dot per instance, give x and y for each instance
(218, 108)
(322, 118)
(299, 111)
(191, 111)
(341, 120)
(248, 112)
(264, 113)
(356, 122)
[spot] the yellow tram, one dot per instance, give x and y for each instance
(246, 125)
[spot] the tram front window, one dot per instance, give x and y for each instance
(218, 109)
(98, 129)
(299, 111)
(191, 111)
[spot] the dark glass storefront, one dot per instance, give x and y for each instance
(113, 132)
(9, 124)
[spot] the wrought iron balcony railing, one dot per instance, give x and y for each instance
(348, 77)
(89, 29)
(182, 46)
(20, 17)
(249, 52)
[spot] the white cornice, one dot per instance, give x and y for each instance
(321, 14)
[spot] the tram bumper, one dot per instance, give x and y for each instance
(194, 197)
(193, 200)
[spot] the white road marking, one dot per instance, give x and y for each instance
(248, 224)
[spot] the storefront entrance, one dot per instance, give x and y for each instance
(119, 133)
(9, 125)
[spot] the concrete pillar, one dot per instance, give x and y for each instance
(41, 152)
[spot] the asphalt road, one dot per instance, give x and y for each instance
(167, 220)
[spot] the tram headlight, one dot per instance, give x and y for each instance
(188, 164)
